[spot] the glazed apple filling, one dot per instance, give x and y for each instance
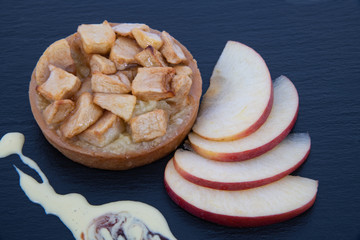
(115, 87)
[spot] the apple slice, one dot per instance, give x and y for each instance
(277, 126)
(267, 168)
(239, 98)
(271, 203)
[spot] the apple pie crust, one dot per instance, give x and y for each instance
(115, 96)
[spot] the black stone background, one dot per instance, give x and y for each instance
(313, 42)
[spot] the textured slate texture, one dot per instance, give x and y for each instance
(314, 42)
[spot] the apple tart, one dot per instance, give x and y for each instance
(115, 96)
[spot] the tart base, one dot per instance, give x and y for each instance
(111, 161)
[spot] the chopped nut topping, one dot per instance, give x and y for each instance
(145, 39)
(57, 54)
(153, 83)
(123, 52)
(101, 64)
(120, 104)
(97, 38)
(149, 126)
(59, 85)
(183, 70)
(103, 83)
(171, 51)
(150, 57)
(125, 29)
(85, 114)
(104, 131)
(58, 111)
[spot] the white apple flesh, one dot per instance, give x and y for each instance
(268, 204)
(264, 169)
(277, 126)
(239, 98)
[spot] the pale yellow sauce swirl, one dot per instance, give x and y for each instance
(115, 220)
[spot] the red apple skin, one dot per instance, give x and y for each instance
(245, 155)
(255, 126)
(236, 185)
(236, 221)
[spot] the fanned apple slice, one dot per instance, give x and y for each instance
(267, 168)
(268, 204)
(239, 98)
(277, 126)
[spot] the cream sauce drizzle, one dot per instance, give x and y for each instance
(116, 220)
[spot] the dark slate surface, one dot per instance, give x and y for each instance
(314, 42)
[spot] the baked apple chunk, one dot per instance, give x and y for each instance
(153, 83)
(120, 96)
(123, 52)
(97, 38)
(102, 64)
(58, 111)
(59, 85)
(117, 83)
(120, 104)
(57, 54)
(85, 114)
(150, 57)
(125, 29)
(145, 39)
(104, 131)
(148, 126)
(171, 51)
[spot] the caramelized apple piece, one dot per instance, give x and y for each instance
(85, 114)
(153, 83)
(145, 39)
(150, 57)
(58, 111)
(97, 38)
(125, 29)
(130, 73)
(59, 85)
(117, 83)
(104, 131)
(101, 64)
(57, 54)
(85, 87)
(123, 52)
(183, 70)
(149, 126)
(120, 104)
(81, 58)
(171, 51)
(181, 85)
